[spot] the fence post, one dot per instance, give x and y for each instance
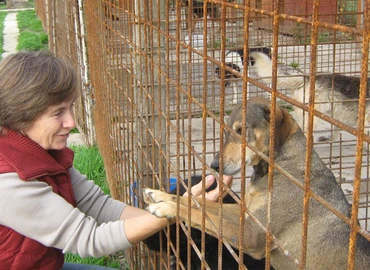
(87, 121)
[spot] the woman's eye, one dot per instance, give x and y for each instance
(57, 113)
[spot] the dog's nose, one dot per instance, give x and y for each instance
(215, 164)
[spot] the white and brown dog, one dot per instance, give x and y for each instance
(234, 59)
(336, 95)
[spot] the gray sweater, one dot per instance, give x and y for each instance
(93, 228)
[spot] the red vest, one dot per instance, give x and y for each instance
(30, 161)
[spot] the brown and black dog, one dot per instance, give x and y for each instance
(328, 235)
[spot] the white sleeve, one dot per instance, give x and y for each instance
(34, 210)
(92, 201)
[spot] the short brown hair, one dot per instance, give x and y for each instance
(30, 82)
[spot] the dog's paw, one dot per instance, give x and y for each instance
(163, 209)
(146, 196)
(154, 196)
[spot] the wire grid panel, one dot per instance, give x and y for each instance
(165, 77)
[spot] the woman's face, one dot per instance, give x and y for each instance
(51, 129)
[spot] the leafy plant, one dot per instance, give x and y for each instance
(294, 64)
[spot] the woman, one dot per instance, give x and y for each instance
(47, 208)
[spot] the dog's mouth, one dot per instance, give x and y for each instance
(231, 172)
(231, 168)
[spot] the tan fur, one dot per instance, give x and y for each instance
(328, 235)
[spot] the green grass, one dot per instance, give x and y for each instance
(108, 261)
(2, 18)
(75, 130)
(89, 162)
(31, 34)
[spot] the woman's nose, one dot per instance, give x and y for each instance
(69, 121)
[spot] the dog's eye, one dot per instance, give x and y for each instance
(239, 130)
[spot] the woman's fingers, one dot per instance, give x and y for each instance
(228, 180)
(215, 193)
(196, 190)
(212, 195)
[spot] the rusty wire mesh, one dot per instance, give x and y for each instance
(159, 79)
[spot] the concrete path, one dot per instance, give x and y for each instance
(10, 34)
(76, 139)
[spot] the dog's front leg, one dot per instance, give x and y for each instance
(163, 204)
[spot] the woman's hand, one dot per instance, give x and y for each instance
(140, 224)
(212, 195)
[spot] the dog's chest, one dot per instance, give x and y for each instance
(255, 198)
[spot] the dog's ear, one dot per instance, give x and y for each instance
(266, 112)
(285, 126)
